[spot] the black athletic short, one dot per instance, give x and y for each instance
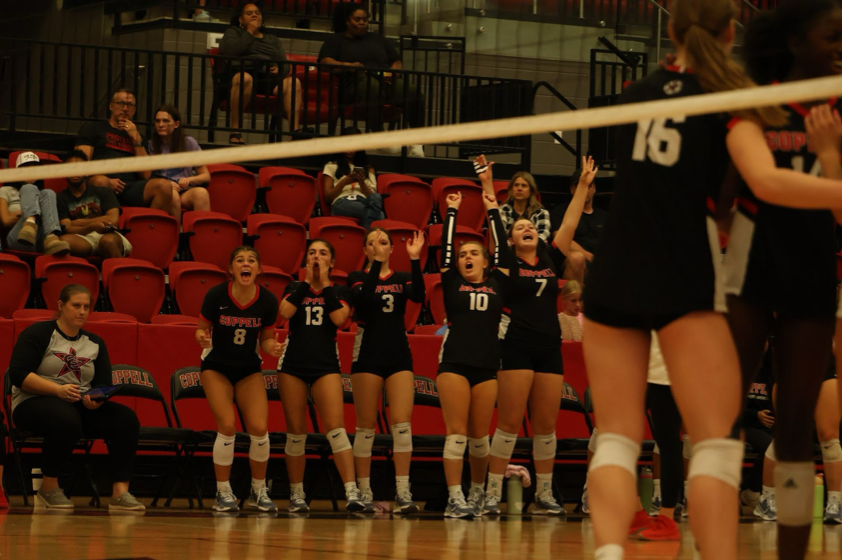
(474, 375)
(830, 373)
(519, 356)
(234, 374)
(132, 194)
(383, 371)
(643, 322)
(307, 375)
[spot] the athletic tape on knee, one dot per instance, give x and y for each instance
(544, 447)
(719, 458)
(687, 449)
(831, 451)
(794, 488)
(339, 441)
(478, 447)
(454, 447)
(259, 448)
(363, 442)
(223, 450)
(615, 450)
(770, 452)
(295, 445)
(592, 441)
(656, 450)
(503, 444)
(402, 437)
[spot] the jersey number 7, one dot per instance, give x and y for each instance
(661, 144)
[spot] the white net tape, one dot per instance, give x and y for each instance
(807, 90)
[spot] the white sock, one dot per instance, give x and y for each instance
(609, 552)
(258, 484)
(223, 486)
(350, 487)
(835, 497)
(656, 488)
(478, 485)
(686, 489)
(768, 491)
(455, 491)
(545, 483)
(495, 484)
(365, 485)
(296, 488)
(402, 484)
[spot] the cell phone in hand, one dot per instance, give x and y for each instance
(103, 393)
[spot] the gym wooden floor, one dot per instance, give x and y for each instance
(160, 534)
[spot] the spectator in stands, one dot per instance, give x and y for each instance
(168, 137)
(53, 365)
(570, 317)
(588, 232)
(265, 74)
(369, 54)
(523, 203)
(118, 137)
(31, 214)
(89, 216)
(350, 186)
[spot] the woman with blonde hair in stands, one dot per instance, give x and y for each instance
(523, 202)
(571, 316)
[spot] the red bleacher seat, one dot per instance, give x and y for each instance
(471, 210)
(410, 200)
(55, 273)
(401, 232)
(427, 329)
(462, 235)
(346, 238)
(181, 320)
(190, 281)
(232, 191)
(289, 192)
(501, 191)
(134, 287)
(275, 280)
(212, 236)
(153, 235)
(280, 240)
(14, 284)
(110, 317)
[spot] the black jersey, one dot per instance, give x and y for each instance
(658, 251)
(235, 337)
(773, 247)
(530, 317)
(379, 308)
(311, 344)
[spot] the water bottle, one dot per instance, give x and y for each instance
(514, 490)
(818, 498)
(37, 478)
(645, 487)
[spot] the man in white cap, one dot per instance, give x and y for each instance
(31, 214)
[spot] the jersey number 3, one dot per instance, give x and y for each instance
(661, 144)
(389, 303)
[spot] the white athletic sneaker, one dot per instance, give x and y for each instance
(767, 509)
(458, 508)
(476, 500)
(585, 507)
(833, 513)
(298, 503)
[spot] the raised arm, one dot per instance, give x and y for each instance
(564, 236)
(483, 169)
(504, 259)
(417, 292)
(448, 258)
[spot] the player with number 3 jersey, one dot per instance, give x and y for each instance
(238, 319)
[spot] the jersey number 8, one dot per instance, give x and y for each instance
(240, 336)
(661, 144)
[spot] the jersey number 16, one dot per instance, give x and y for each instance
(661, 144)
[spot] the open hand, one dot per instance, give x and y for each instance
(485, 175)
(203, 337)
(415, 245)
(68, 393)
(589, 170)
(117, 185)
(766, 418)
(381, 250)
(824, 130)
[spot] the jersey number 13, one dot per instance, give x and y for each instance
(662, 145)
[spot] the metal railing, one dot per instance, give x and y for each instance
(300, 8)
(56, 87)
(575, 150)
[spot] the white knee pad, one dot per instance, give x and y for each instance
(503, 444)
(259, 448)
(831, 451)
(295, 445)
(794, 489)
(592, 441)
(544, 447)
(339, 441)
(454, 446)
(719, 458)
(770, 452)
(687, 450)
(478, 447)
(615, 450)
(656, 450)
(223, 450)
(402, 437)
(363, 442)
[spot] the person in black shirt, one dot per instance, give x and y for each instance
(470, 355)
(368, 83)
(53, 365)
(315, 310)
(237, 321)
(118, 137)
(382, 357)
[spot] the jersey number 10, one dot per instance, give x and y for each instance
(479, 302)
(654, 139)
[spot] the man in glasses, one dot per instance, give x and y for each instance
(118, 137)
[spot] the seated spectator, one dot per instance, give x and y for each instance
(350, 186)
(118, 137)
(571, 317)
(168, 137)
(266, 74)
(367, 85)
(31, 214)
(89, 216)
(586, 237)
(54, 363)
(523, 203)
